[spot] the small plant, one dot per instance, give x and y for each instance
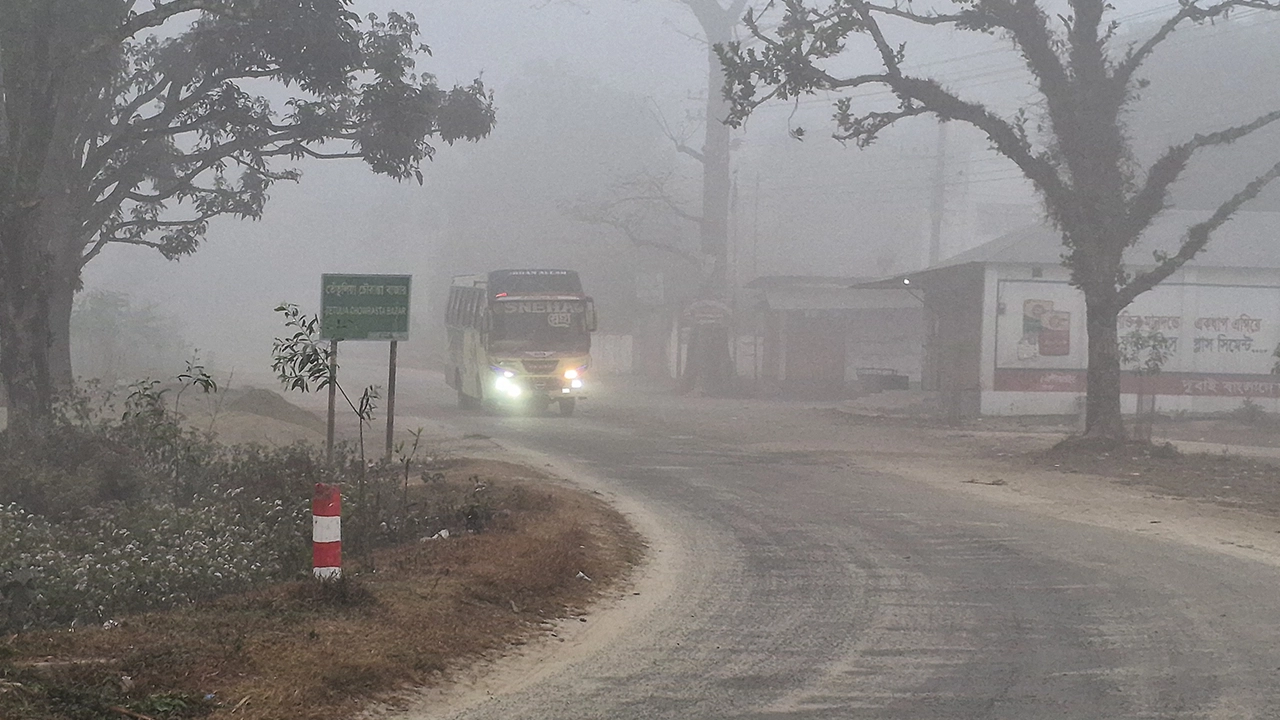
(364, 411)
(302, 362)
(405, 460)
(217, 401)
(145, 400)
(1148, 352)
(1249, 413)
(194, 376)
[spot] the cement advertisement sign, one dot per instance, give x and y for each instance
(364, 307)
(1216, 337)
(1040, 325)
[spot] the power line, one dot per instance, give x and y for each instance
(870, 189)
(991, 74)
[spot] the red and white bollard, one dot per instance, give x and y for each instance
(326, 532)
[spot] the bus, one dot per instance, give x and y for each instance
(519, 337)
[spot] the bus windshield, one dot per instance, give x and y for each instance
(539, 325)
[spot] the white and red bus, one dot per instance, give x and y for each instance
(520, 336)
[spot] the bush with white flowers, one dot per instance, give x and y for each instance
(120, 560)
(105, 513)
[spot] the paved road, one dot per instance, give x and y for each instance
(793, 581)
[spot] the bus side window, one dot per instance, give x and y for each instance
(451, 311)
(469, 319)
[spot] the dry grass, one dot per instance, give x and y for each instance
(296, 652)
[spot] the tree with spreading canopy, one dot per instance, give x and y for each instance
(1080, 158)
(136, 123)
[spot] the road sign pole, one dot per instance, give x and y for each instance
(333, 398)
(391, 399)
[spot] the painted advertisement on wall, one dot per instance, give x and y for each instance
(1212, 339)
(1040, 325)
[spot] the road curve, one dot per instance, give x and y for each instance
(794, 580)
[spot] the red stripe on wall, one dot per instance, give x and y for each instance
(1196, 384)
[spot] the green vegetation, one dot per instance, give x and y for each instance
(122, 508)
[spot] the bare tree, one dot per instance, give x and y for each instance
(709, 353)
(1083, 167)
(639, 208)
(709, 365)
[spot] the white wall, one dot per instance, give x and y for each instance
(611, 354)
(1223, 325)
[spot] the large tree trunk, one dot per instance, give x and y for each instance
(711, 365)
(61, 300)
(40, 79)
(716, 177)
(1102, 412)
(58, 233)
(24, 323)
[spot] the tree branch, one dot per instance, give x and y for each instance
(1149, 202)
(890, 57)
(1197, 237)
(634, 238)
(158, 15)
(665, 200)
(298, 148)
(1190, 11)
(711, 14)
(1030, 29)
(679, 142)
(160, 224)
(686, 150)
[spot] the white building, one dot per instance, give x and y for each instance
(1006, 331)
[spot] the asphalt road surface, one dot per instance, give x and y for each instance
(793, 576)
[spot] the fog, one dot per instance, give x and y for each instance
(583, 91)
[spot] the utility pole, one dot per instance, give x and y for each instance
(939, 209)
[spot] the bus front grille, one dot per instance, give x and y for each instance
(540, 367)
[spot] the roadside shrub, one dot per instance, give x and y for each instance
(1250, 413)
(117, 510)
(116, 560)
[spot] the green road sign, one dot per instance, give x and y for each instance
(364, 307)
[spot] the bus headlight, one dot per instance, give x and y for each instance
(575, 384)
(570, 374)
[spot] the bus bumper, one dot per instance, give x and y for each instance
(525, 388)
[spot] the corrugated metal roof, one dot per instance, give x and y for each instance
(838, 298)
(767, 282)
(1250, 239)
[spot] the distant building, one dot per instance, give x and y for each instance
(1006, 331)
(820, 337)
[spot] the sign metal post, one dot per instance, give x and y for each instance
(333, 397)
(391, 399)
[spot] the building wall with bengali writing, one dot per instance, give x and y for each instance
(1219, 337)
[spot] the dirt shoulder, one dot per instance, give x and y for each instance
(525, 550)
(1221, 501)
